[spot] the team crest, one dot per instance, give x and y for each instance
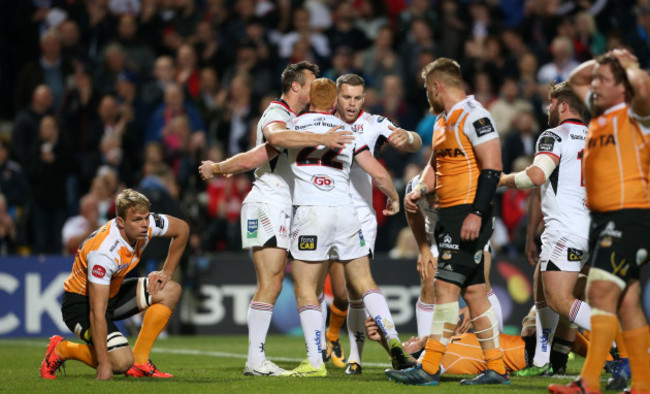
(606, 242)
(362, 241)
(446, 255)
(358, 128)
(477, 256)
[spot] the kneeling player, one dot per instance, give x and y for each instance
(96, 293)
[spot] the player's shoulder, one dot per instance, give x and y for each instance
(559, 133)
(105, 240)
(279, 110)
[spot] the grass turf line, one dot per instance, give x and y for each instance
(215, 363)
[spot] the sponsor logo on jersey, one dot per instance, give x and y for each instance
(99, 271)
(447, 243)
(552, 134)
(251, 231)
(380, 119)
(323, 182)
(546, 143)
(448, 152)
(358, 128)
(606, 241)
(362, 241)
(577, 137)
(160, 223)
(574, 254)
(610, 230)
(483, 127)
(601, 141)
(307, 242)
(446, 255)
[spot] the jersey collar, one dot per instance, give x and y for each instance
(615, 108)
(284, 104)
(573, 121)
(458, 105)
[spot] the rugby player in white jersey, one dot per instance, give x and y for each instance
(325, 226)
(266, 212)
(377, 130)
(557, 170)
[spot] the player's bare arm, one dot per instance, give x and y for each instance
(98, 299)
(382, 179)
(580, 78)
(639, 80)
(418, 228)
(427, 183)
(239, 163)
(179, 232)
(277, 134)
(534, 175)
(488, 155)
(404, 140)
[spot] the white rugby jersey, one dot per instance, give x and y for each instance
(321, 174)
(563, 194)
(430, 215)
(375, 132)
(273, 179)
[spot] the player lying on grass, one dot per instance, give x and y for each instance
(465, 357)
(96, 294)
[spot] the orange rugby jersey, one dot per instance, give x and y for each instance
(468, 124)
(464, 355)
(105, 257)
(616, 161)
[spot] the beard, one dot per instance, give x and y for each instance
(435, 107)
(554, 117)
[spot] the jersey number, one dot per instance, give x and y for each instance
(304, 158)
(582, 177)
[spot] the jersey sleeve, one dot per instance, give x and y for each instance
(159, 224)
(381, 124)
(274, 115)
(549, 143)
(100, 268)
(480, 127)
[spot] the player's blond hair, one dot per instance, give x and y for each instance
(322, 93)
(445, 70)
(131, 199)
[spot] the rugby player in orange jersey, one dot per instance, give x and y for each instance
(96, 293)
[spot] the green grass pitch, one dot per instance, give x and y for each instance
(215, 364)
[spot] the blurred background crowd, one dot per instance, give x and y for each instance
(98, 95)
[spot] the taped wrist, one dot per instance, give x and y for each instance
(487, 185)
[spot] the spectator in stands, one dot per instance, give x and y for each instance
(208, 46)
(417, 9)
(72, 47)
(13, 181)
(233, 129)
(317, 42)
(174, 104)
(187, 73)
(508, 105)
(371, 17)
(560, 67)
(25, 130)
(520, 140)
(114, 63)
(7, 229)
(344, 32)
(77, 228)
(247, 62)
(50, 69)
(139, 57)
(80, 111)
(342, 63)
(420, 39)
(380, 59)
(211, 97)
(164, 74)
(47, 166)
(588, 35)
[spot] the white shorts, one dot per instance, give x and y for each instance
(321, 233)
(565, 252)
(260, 222)
(368, 220)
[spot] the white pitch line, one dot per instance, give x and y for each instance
(192, 352)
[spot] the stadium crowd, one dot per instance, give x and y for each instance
(100, 95)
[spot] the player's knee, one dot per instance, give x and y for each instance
(123, 363)
(119, 352)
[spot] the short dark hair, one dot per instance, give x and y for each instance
(563, 93)
(350, 79)
(448, 69)
(620, 76)
(294, 73)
